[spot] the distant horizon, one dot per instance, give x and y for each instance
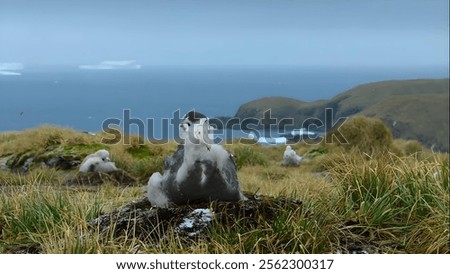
(82, 99)
(29, 66)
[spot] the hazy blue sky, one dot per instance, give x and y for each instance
(227, 32)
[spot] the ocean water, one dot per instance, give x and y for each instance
(84, 99)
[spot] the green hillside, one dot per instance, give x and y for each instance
(412, 109)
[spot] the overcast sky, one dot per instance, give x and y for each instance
(226, 32)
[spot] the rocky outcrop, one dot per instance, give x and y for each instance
(23, 163)
(4, 163)
(61, 162)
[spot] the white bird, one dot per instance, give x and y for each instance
(290, 157)
(198, 171)
(98, 162)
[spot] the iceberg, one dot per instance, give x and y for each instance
(4, 72)
(95, 67)
(11, 66)
(118, 63)
(105, 65)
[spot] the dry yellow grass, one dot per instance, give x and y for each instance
(397, 201)
(278, 180)
(41, 138)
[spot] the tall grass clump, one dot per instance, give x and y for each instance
(34, 214)
(249, 156)
(366, 135)
(37, 215)
(396, 200)
(41, 138)
(141, 158)
(37, 176)
(303, 229)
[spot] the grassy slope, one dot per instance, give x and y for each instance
(419, 107)
(385, 203)
(280, 105)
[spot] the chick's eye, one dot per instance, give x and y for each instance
(189, 124)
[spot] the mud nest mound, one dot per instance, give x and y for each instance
(192, 221)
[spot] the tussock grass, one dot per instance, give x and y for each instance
(390, 201)
(367, 135)
(37, 212)
(393, 198)
(247, 156)
(304, 229)
(42, 138)
(42, 216)
(409, 147)
(141, 159)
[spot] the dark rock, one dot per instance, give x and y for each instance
(19, 163)
(22, 163)
(4, 163)
(190, 222)
(64, 163)
(118, 177)
(26, 165)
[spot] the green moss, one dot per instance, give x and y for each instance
(140, 152)
(86, 148)
(68, 153)
(10, 162)
(247, 156)
(316, 152)
(19, 160)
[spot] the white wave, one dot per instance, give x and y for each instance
(301, 132)
(268, 141)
